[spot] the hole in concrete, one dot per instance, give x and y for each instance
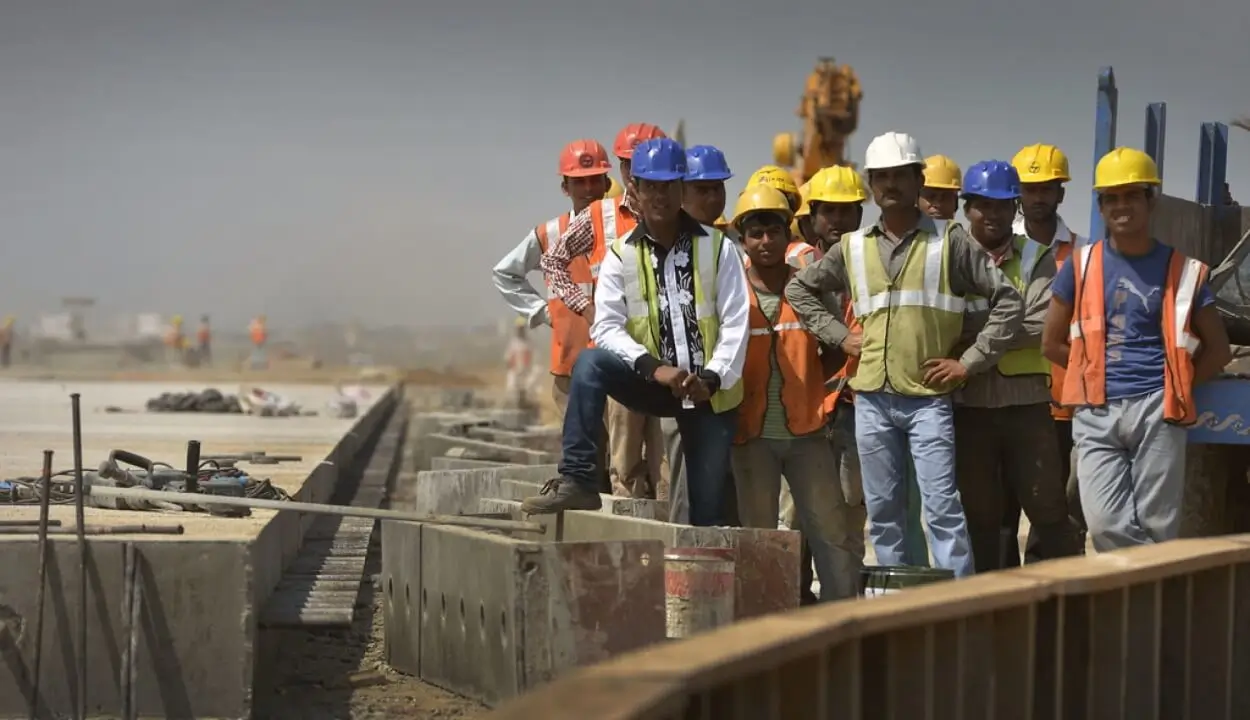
(481, 621)
(443, 615)
(390, 585)
(503, 629)
(529, 567)
(645, 559)
(462, 616)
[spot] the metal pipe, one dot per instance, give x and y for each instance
(193, 466)
(128, 591)
(45, 495)
(80, 517)
(133, 493)
(101, 530)
(24, 524)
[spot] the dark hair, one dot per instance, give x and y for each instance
(765, 217)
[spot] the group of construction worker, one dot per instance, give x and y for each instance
(794, 340)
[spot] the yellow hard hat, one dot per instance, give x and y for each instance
(721, 224)
(805, 191)
(177, 319)
(1125, 166)
(8, 320)
(837, 184)
(942, 172)
(614, 189)
(774, 177)
(1041, 163)
(761, 198)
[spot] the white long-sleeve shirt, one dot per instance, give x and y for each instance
(511, 279)
(732, 306)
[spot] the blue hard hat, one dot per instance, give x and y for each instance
(659, 159)
(704, 162)
(994, 179)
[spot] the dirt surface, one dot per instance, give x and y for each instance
(341, 674)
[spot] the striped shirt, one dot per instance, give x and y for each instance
(578, 239)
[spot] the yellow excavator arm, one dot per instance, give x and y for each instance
(829, 110)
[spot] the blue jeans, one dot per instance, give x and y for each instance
(706, 436)
(885, 425)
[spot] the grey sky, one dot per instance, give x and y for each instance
(321, 159)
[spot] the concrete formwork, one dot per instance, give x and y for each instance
(198, 593)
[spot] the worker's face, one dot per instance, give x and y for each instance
(765, 238)
(660, 201)
(989, 220)
(585, 190)
(831, 220)
(1126, 210)
(627, 177)
(939, 203)
(895, 188)
(704, 200)
(1040, 201)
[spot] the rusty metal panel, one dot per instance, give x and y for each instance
(1205, 232)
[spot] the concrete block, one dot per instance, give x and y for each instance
(526, 613)
(453, 463)
(401, 593)
(435, 444)
(451, 492)
(518, 490)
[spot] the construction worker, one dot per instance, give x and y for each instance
(1043, 170)
(801, 226)
(637, 464)
(706, 173)
(6, 341)
(781, 422)
(1135, 324)
(670, 334)
(800, 254)
(204, 341)
(1005, 413)
(175, 342)
(939, 198)
(258, 331)
(584, 168)
(911, 319)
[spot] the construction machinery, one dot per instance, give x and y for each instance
(829, 110)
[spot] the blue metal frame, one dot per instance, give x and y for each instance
(1212, 163)
(1104, 137)
(1156, 132)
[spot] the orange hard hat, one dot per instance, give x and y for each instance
(582, 158)
(633, 134)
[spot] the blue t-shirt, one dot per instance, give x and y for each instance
(1133, 288)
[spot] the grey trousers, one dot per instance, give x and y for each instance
(1131, 471)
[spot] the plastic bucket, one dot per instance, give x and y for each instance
(875, 581)
(698, 589)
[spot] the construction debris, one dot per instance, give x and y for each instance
(211, 400)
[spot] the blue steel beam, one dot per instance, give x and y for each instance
(1104, 137)
(1156, 132)
(1212, 163)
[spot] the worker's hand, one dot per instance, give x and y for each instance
(694, 389)
(671, 378)
(853, 343)
(589, 314)
(944, 372)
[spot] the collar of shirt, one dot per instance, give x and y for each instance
(1062, 233)
(627, 203)
(688, 226)
(926, 224)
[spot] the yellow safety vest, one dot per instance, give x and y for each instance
(643, 307)
(1019, 270)
(906, 321)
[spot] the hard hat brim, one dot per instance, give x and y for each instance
(990, 195)
(1042, 180)
(587, 172)
(710, 176)
(893, 165)
(661, 176)
(942, 186)
(1134, 183)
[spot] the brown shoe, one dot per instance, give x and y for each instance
(561, 494)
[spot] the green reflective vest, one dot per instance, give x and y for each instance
(642, 316)
(906, 321)
(1019, 270)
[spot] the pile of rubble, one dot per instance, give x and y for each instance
(211, 400)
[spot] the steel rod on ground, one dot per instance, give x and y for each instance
(293, 506)
(80, 499)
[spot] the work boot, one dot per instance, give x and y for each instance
(559, 494)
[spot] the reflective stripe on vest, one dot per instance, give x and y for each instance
(1018, 269)
(906, 321)
(1086, 381)
(800, 254)
(785, 347)
(642, 306)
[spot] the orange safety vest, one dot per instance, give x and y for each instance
(258, 332)
(1057, 410)
(800, 254)
(569, 331)
(203, 335)
(798, 358)
(1086, 381)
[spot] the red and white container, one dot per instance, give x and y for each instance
(698, 589)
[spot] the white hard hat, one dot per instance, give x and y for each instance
(893, 149)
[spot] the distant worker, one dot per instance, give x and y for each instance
(781, 422)
(584, 169)
(175, 341)
(204, 341)
(6, 341)
(637, 464)
(939, 198)
(519, 361)
(1135, 324)
(1003, 428)
(259, 332)
(1043, 170)
(911, 320)
(670, 333)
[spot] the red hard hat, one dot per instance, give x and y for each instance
(633, 134)
(582, 158)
